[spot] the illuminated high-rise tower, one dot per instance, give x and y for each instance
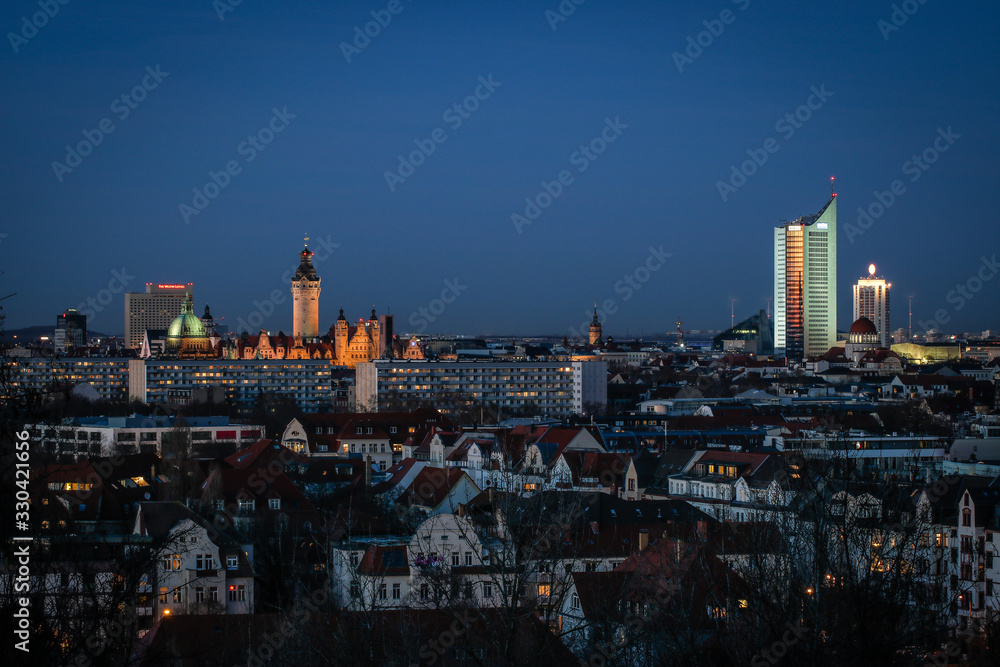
(805, 284)
(305, 298)
(871, 300)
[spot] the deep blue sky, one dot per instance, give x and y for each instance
(655, 185)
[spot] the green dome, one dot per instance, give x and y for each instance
(185, 325)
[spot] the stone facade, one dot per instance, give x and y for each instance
(305, 298)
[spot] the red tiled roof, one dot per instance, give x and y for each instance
(385, 560)
(432, 485)
(260, 454)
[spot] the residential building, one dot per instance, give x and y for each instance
(203, 568)
(557, 389)
(379, 435)
(306, 381)
(116, 436)
(44, 375)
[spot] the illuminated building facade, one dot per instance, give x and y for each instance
(155, 308)
(556, 389)
(805, 284)
(871, 300)
(356, 344)
(305, 298)
(71, 330)
(596, 331)
(45, 375)
(306, 381)
(751, 336)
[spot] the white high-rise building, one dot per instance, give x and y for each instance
(805, 284)
(871, 300)
(155, 308)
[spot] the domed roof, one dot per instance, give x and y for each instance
(306, 269)
(186, 325)
(863, 325)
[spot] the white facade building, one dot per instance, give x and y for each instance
(155, 308)
(871, 300)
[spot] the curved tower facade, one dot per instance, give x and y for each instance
(305, 298)
(805, 284)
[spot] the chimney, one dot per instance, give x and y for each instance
(368, 471)
(643, 538)
(461, 509)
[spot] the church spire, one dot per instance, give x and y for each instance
(595, 328)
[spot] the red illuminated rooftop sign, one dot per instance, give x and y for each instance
(171, 286)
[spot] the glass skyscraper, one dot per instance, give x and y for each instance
(805, 284)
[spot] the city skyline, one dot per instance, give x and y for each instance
(538, 163)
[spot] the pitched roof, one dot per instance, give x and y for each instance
(260, 454)
(384, 560)
(432, 485)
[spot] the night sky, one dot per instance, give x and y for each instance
(330, 120)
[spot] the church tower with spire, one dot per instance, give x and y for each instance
(305, 297)
(595, 328)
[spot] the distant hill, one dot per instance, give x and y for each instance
(29, 334)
